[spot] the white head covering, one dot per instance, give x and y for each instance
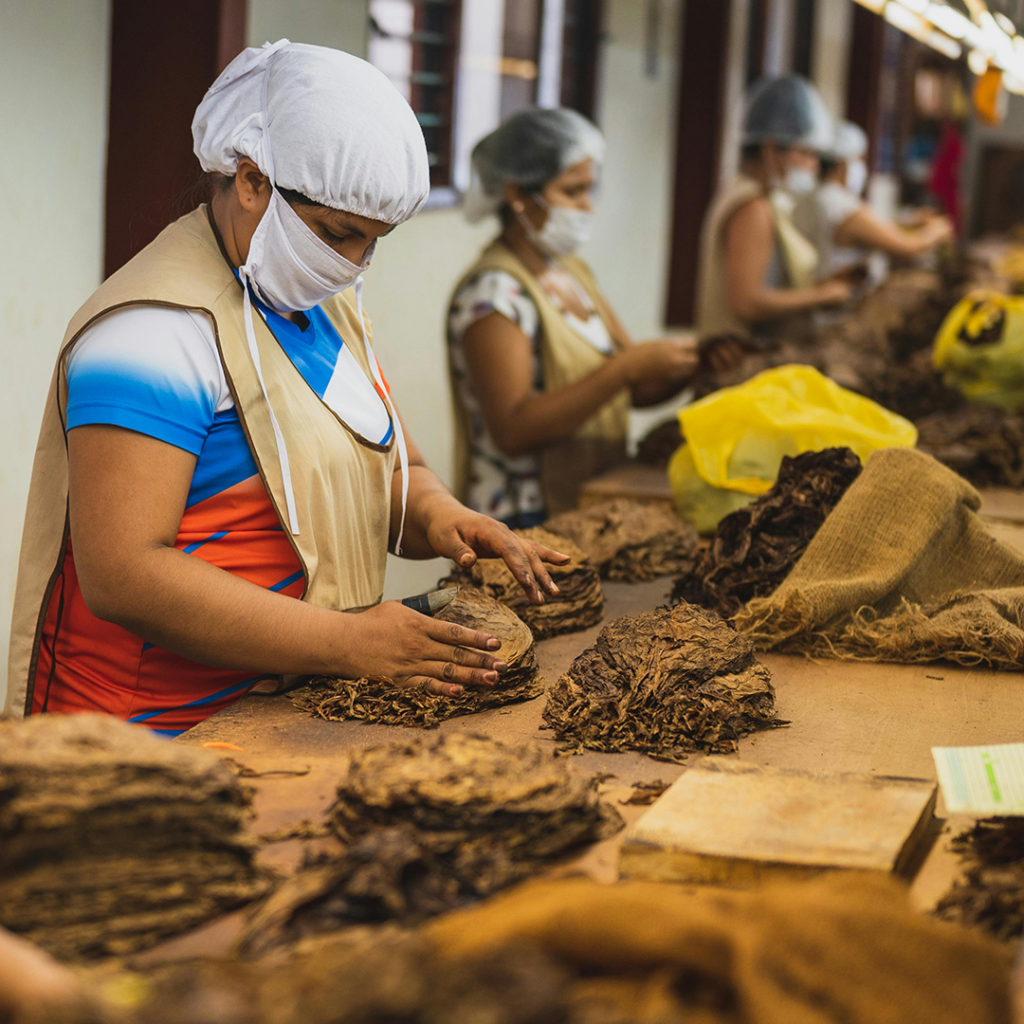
(318, 121)
(529, 149)
(851, 142)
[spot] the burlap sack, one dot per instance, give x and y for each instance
(846, 949)
(902, 570)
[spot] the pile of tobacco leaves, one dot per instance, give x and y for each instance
(755, 548)
(667, 682)
(580, 600)
(379, 700)
(984, 445)
(431, 824)
(659, 444)
(991, 894)
(629, 541)
(112, 838)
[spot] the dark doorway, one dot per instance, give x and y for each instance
(699, 122)
(163, 58)
(867, 59)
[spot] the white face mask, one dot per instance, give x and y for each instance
(857, 177)
(293, 270)
(565, 229)
(799, 181)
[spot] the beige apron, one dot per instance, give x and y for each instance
(799, 259)
(598, 444)
(342, 481)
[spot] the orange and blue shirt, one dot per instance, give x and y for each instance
(157, 371)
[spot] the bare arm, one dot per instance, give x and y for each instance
(500, 363)
(127, 495)
(863, 228)
(749, 243)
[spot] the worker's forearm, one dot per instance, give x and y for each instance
(654, 392)
(775, 303)
(206, 614)
(427, 494)
(548, 416)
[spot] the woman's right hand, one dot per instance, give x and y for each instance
(415, 651)
(834, 292)
(660, 361)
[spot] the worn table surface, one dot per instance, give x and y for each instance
(843, 716)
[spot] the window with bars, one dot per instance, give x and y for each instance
(466, 65)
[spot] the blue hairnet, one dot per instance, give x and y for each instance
(529, 149)
(787, 111)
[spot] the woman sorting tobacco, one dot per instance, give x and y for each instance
(221, 469)
(543, 372)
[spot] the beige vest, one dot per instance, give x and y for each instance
(342, 481)
(600, 442)
(799, 257)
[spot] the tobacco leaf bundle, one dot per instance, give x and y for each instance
(666, 683)
(433, 823)
(983, 444)
(754, 548)
(659, 444)
(991, 895)
(112, 839)
(379, 700)
(580, 601)
(630, 541)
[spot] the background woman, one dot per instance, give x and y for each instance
(219, 440)
(543, 371)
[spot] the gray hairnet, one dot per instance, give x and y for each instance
(529, 149)
(850, 143)
(787, 111)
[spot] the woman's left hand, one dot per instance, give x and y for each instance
(462, 535)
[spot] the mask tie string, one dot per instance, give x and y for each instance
(282, 448)
(403, 451)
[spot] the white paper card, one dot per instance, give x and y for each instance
(982, 780)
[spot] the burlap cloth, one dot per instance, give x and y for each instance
(902, 570)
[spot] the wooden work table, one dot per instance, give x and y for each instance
(843, 716)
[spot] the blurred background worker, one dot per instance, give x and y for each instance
(543, 372)
(757, 271)
(841, 225)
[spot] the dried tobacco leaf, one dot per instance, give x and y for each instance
(984, 445)
(630, 541)
(754, 548)
(580, 601)
(112, 839)
(991, 895)
(659, 444)
(379, 700)
(433, 823)
(666, 683)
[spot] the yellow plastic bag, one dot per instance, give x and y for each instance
(736, 438)
(980, 349)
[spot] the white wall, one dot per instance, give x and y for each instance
(53, 120)
(339, 23)
(833, 27)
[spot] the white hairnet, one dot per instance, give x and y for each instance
(788, 111)
(851, 142)
(318, 121)
(529, 149)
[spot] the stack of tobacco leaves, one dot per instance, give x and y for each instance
(630, 541)
(667, 683)
(580, 600)
(430, 824)
(754, 548)
(379, 700)
(659, 444)
(112, 839)
(913, 389)
(991, 895)
(984, 445)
